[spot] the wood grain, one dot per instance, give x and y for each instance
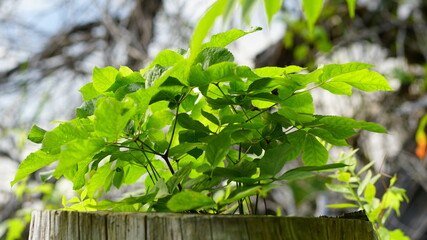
(67, 225)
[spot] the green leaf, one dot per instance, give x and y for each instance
(304, 172)
(197, 76)
(111, 117)
(89, 92)
(225, 38)
(217, 148)
(126, 89)
(211, 56)
(271, 8)
(364, 80)
(166, 58)
(328, 137)
(342, 205)
(222, 72)
(275, 158)
(63, 134)
(142, 99)
(351, 7)
(241, 193)
(118, 177)
(179, 176)
(189, 200)
(300, 103)
(86, 109)
(204, 26)
(312, 10)
(370, 192)
(98, 179)
(183, 148)
(79, 150)
(32, 163)
(187, 122)
(36, 134)
(314, 153)
(15, 228)
(210, 117)
(334, 70)
(277, 71)
(338, 88)
(159, 119)
(103, 78)
(153, 74)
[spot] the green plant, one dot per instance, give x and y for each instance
(362, 191)
(204, 132)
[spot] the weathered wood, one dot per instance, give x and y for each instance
(67, 225)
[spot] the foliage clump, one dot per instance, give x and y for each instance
(204, 132)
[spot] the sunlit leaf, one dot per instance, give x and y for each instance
(365, 80)
(272, 7)
(189, 200)
(103, 78)
(32, 163)
(36, 134)
(312, 10)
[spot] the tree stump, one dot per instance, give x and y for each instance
(62, 225)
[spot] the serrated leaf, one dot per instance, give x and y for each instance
(103, 78)
(312, 10)
(189, 200)
(32, 163)
(36, 134)
(271, 8)
(364, 80)
(314, 153)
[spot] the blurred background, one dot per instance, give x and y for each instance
(49, 48)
